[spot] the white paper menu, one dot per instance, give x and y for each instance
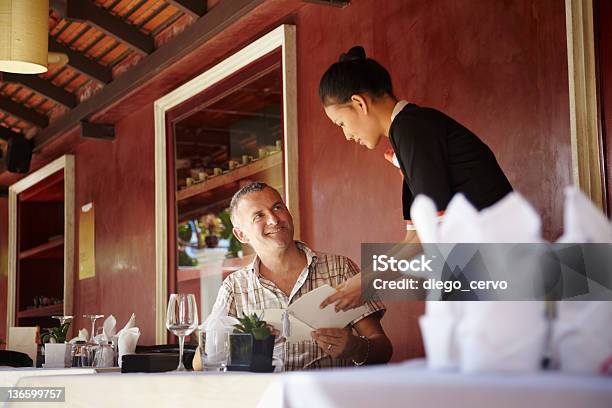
(306, 316)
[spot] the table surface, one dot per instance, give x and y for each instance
(407, 384)
(411, 384)
(9, 376)
(169, 389)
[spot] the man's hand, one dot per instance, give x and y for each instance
(339, 343)
(348, 295)
(274, 332)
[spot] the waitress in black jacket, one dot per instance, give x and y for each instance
(438, 157)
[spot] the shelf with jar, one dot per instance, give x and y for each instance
(42, 311)
(236, 172)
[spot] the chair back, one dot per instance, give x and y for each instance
(24, 340)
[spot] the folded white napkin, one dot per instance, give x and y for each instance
(82, 336)
(438, 328)
(502, 336)
(582, 338)
(583, 222)
(128, 338)
(481, 336)
(130, 323)
(108, 328)
(511, 220)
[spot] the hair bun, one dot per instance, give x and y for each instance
(357, 53)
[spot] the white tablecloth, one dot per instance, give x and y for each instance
(410, 384)
(10, 376)
(153, 390)
(398, 385)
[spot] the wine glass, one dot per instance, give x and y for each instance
(93, 318)
(182, 319)
(62, 319)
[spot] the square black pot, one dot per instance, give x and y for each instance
(248, 354)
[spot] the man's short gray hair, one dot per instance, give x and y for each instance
(248, 189)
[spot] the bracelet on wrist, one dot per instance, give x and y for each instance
(367, 354)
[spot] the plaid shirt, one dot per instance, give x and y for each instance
(245, 291)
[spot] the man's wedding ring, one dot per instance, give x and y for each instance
(329, 347)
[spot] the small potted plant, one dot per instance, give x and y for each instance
(212, 227)
(251, 345)
(57, 351)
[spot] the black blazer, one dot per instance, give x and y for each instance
(439, 158)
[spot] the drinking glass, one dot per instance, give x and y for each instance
(62, 319)
(214, 350)
(93, 318)
(182, 319)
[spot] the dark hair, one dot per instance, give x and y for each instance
(248, 189)
(354, 73)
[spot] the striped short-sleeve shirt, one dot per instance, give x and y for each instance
(246, 291)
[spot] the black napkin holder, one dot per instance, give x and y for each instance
(156, 359)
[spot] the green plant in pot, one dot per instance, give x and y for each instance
(56, 334)
(57, 351)
(251, 345)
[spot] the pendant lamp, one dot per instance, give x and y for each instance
(24, 30)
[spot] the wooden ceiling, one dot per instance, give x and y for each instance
(102, 39)
(118, 48)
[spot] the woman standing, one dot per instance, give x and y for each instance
(438, 157)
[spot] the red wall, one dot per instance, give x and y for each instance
(500, 68)
(119, 178)
(497, 67)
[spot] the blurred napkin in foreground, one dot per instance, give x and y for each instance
(481, 336)
(438, 328)
(582, 340)
(502, 336)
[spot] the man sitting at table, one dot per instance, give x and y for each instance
(284, 270)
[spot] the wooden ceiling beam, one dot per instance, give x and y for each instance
(97, 131)
(212, 23)
(42, 87)
(196, 8)
(86, 10)
(81, 63)
(22, 112)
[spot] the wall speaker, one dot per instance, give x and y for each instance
(18, 155)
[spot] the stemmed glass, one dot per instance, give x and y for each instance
(62, 319)
(182, 319)
(93, 318)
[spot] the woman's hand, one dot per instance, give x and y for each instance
(347, 296)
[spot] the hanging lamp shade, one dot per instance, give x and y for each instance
(24, 28)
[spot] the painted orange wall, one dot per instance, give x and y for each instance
(497, 67)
